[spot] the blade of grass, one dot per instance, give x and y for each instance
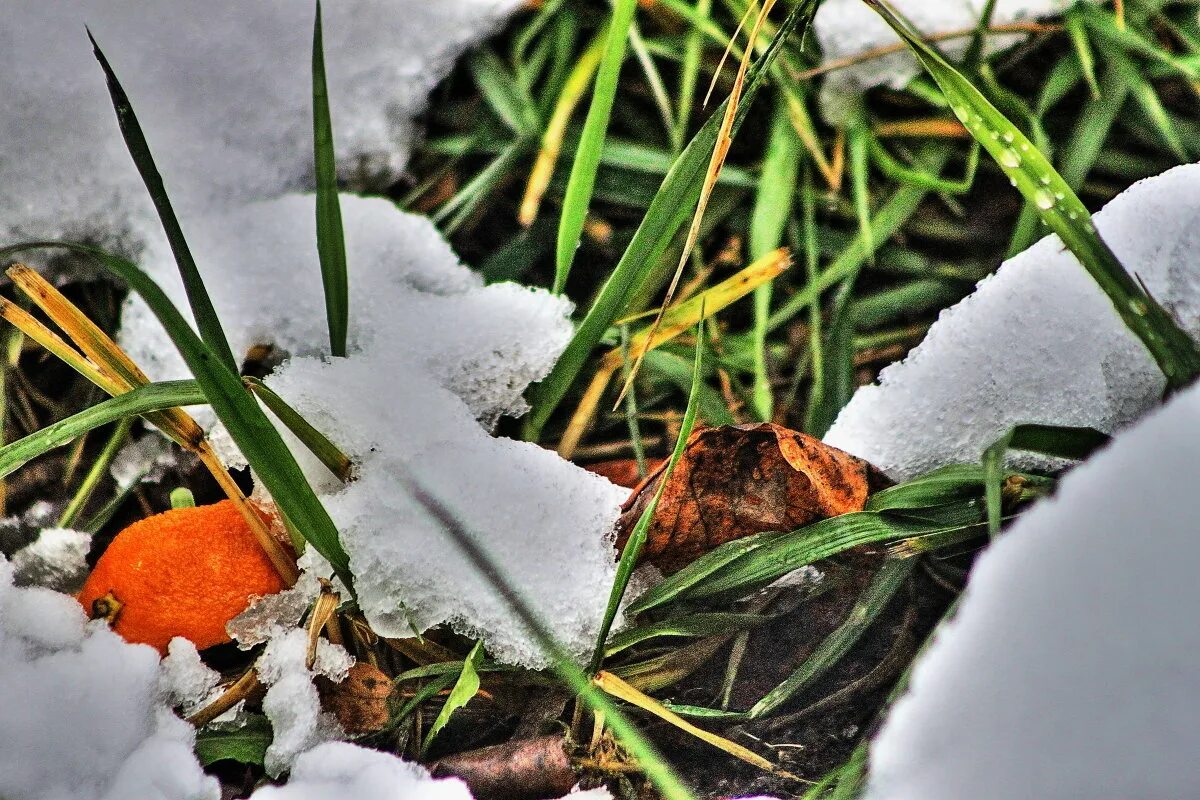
(620, 689)
(1061, 209)
(318, 443)
(720, 151)
(331, 242)
(577, 82)
(874, 599)
(653, 764)
(578, 195)
(465, 688)
(676, 321)
(667, 213)
(95, 474)
(143, 400)
(772, 209)
(637, 539)
(207, 321)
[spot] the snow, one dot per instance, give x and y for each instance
(1036, 342)
(435, 358)
(339, 770)
(408, 291)
(273, 614)
(1070, 669)
(292, 703)
(146, 458)
(848, 28)
(183, 679)
(57, 559)
(79, 716)
(223, 91)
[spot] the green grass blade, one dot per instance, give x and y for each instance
(637, 539)
(671, 207)
(1054, 441)
(318, 443)
(205, 315)
(331, 242)
(143, 400)
(578, 195)
(246, 422)
(772, 210)
(691, 627)
(465, 688)
(874, 599)
(1060, 209)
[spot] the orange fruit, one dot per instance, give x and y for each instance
(185, 572)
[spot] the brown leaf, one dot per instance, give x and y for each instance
(622, 471)
(737, 480)
(360, 702)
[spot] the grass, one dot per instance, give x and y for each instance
(572, 152)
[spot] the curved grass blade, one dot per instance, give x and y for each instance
(587, 155)
(1059, 207)
(465, 688)
(1055, 441)
(143, 400)
(692, 626)
(253, 433)
(331, 241)
(693, 574)
(207, 321)
(637, 539)
(668, 211)
(833, 648)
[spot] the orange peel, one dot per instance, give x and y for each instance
(186, 572)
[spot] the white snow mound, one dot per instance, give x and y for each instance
(1036, 342)
(1070, 669)
(79, 714)
(849, 28)
(223, 92)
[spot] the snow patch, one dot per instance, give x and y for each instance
(57, 560)
(222, 89)
(1036, 342)
(1070, 669)
(849, 28)
(79, 715)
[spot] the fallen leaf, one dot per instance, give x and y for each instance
(623, 471)
(360, 702)
(737, 480)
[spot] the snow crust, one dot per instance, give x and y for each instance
(57, 560)
(223, 91)
(79, 714)
(1036, 342)
(848, 28)
(1070, 669)
(292, 704)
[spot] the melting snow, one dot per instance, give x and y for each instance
(57, 560)
(1070, 670)
(79, 715)
(849, 28)
(1036, 342)
(222, 89)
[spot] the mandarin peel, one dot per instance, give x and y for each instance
(185, 572)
